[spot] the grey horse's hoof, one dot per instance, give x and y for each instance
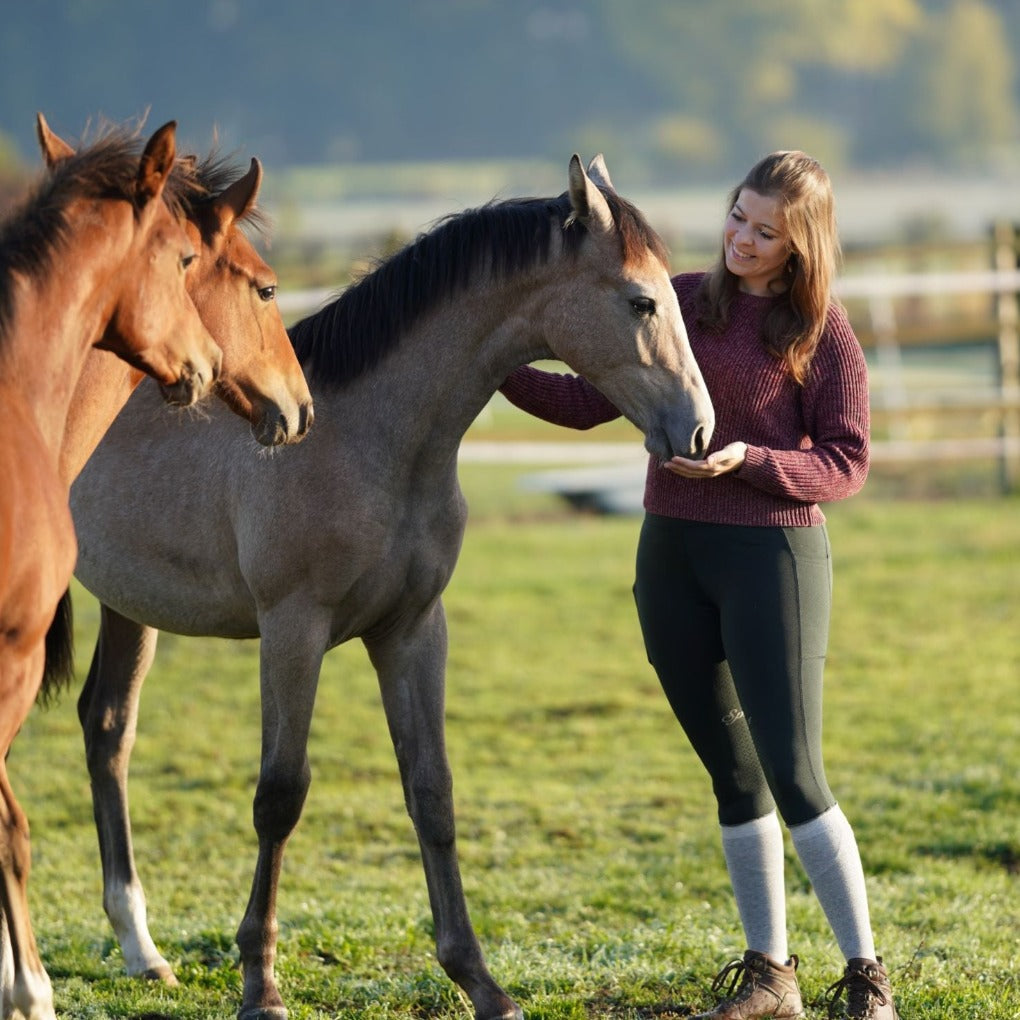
(263, 1013)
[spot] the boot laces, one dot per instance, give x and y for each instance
(738, 972)
(862, 994)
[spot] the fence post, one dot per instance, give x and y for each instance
(1007, 259)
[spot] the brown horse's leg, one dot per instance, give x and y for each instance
(411, 669)
(108, 712)
(30, 994)
(291, 656)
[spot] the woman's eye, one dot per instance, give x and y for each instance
(267, 293)
(643, 306)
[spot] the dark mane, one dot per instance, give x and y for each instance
(353, 333)
(35, 230)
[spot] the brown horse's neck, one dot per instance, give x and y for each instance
(104, 386)
(56, 322)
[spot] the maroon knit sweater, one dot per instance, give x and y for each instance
(805, 445)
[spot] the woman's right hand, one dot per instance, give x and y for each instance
(721, 462)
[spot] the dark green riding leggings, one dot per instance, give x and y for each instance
(736, 622)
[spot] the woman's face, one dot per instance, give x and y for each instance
(755, 241)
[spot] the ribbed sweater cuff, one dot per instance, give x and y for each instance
(754, 458)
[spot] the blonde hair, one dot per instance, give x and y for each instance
(794, 326)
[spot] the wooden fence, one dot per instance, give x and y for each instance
(977, 307)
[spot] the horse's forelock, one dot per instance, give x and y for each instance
(637, 237)
(106, 168)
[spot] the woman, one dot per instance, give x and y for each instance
(733, 578)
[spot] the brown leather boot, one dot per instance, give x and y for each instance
(766, 989)
(868, 992)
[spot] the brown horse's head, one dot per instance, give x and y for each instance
(234, 291)
(126, 235)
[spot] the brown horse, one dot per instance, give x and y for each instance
(234, 291)
(92, 257)
(356, 532)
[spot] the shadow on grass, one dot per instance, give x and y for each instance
(1005, 855)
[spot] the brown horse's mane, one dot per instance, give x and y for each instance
(355, 331)
(35, 230)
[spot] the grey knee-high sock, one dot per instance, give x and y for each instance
(754, 859)
(828, 851)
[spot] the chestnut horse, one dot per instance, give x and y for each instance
(234, 291)
(356, 533)
(92, 257)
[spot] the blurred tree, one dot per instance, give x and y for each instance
(748, 79)
(14, 175)
(962, 81)
(669, 88)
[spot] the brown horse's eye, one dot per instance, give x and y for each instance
(267, 293)
(186, 260)
(643, 306)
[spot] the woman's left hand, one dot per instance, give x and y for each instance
(723, 461)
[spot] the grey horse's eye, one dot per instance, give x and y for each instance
(643, 306)
(267, 293)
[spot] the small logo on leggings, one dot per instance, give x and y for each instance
(732, 716)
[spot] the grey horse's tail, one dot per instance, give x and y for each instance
(59, 669)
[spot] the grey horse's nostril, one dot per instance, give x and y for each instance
(699, 441)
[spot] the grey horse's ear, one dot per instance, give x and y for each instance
(587, 203)
(599, 173)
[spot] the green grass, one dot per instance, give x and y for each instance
(586, 827)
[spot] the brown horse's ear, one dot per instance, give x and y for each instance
(156, 164)
(238, 200)
(54, 148)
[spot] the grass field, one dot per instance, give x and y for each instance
(587, 837)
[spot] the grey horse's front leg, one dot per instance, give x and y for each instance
(411, 669)
(291, 658)
(108, 713)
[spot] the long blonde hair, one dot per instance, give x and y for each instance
(794, 326)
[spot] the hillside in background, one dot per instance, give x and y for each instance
(676, 90)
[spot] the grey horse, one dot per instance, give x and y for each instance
(355, 533)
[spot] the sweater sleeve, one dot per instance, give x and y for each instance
(568, 400)
(833, 460)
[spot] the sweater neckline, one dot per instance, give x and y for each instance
(743, 295)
